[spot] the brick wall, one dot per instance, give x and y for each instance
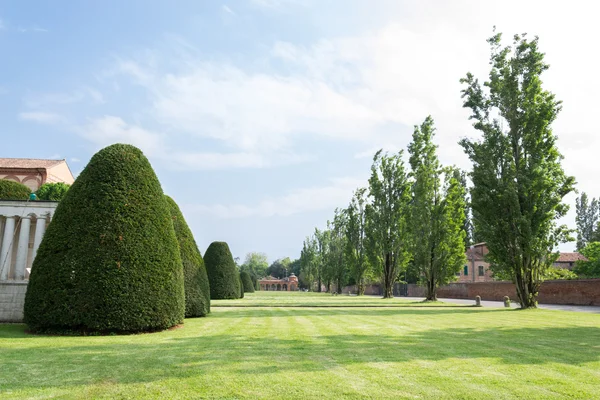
(12, 300)
(577, 292)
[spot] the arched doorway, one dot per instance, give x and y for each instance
(273, 287)
(278, 287)
(284, 287)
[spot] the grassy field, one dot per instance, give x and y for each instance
(405, 350)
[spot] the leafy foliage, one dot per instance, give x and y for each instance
(587, 216)
(356, 239)
(52, 191)
(590, 268)
(387, 217)
(256, 265)
(518, 180)
(336, 250)
(437, 214)
(554, 273)
(197, 291)
(223, 276)
(309, 261)
(11, 190)
(247, 283)
(109, 260)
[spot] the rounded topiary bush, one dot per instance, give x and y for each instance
(197, 292)
(223, 277)
(52, 191)
(241, 287)
(11, 190)
(247, 282)
(109, 261)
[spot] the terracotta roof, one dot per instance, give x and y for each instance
(28, 163)
(570, 257)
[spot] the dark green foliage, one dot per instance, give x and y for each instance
(10, 190)
(109, 261)
(52, 191)
(197, 291)
(241, 286)
(247, 282)
(223, 276)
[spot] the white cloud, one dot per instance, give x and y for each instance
(227, 9)
(42, 117)
(337, 194)
(75, 160)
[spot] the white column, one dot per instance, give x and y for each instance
(40, 229)
(22, 249)
(6, 250)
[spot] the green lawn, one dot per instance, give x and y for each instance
(409, 350)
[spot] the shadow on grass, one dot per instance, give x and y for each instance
(140, 360)
(287, 312)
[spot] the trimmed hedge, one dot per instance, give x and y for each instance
(11, 190)
(109, 261)
(52, 191)
(223, 277)
(247, 282)
(197, 291)
(241, 287)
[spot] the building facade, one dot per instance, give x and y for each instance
(476, 269)
(289, 284)
(568, 260)
(33, 173)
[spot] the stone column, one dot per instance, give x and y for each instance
(22, 249)
(6, 249)
(40, 229)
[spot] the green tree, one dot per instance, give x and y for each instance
(387, 217)
(337, 250)
(356, 239)
(247, 282)
(256, 265)
(52, 191)
(109, 260)
(280, 268)
(223, 275)
(586, 218)
(10, 190)
(461, 177)
(308, 261)
(322, 243)
(437, 213)
(590, 268)
(518, 180)
(197, 291)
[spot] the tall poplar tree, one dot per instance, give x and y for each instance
(387, 216)
(587, 214)
(337, 250)
(356, 239)
(437, 213)
(518, 180)
(308, 262)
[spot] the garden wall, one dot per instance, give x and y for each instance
(12, 300)
(577, 292)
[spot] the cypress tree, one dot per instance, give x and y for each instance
(223, 278)
(247, 282)
(109, 261)
(197, 291)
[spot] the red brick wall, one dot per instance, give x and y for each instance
(578, 292)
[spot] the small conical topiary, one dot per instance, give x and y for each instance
(223, 277)
(241, 287)
(11, 190)
(247, 282)
(109, 261)
(197, 292)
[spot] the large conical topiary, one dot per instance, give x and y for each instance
(197, 292)
(11, 190)
(223, 277)
(109, 261)
(247, 282)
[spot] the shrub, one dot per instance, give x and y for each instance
(241, 287)
(554, 273)
(223, 278)
(197, 292)
(52, 191)
(247, 282)
(11, 190)
(109, 261)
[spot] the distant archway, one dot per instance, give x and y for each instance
(278, 287)
(273, 287)
(284, 287)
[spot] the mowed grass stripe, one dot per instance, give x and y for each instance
(285, 352)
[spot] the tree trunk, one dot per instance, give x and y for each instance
(388, 283)
(431, 294)
(319, 284)
(526, 290)
(360, 289)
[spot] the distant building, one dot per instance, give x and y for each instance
(476, 269)
(568, 260)
(288, 284)
(33, 173)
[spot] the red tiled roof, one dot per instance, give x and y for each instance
(571, 257)
(28, 163)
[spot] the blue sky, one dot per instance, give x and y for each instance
(261, 116)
